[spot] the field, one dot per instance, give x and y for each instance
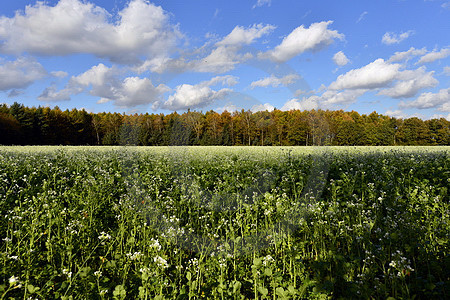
(224, 222)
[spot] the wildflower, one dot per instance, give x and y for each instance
(268, 259)
(134, 256)
(161, 262)
(98, 273)
(66, 272)
(13, 280)
(155, 244)
(104, 236)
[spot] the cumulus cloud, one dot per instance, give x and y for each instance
(75, 26)
(104, 82)
(245, 36)
(302, 39)
(447, 70)
(410, 83)
(14, 93)
(398, 114)
(262, 107)
(51, 94)
(328, 100)
(260, 3)
(437, 100)
(340, 59)
(386, 77)
(223, 57)
(435, 55)
(390, 38)
(20, 73)
(229, 107)
(275, 81)
(189, 96)
(374, 75)
(445, 107)
(59, 74)
(406, 55)
(335, 99)
(305, 104)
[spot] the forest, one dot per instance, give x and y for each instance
(21, 125)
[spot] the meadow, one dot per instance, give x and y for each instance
(224, 222)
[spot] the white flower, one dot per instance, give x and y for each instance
(134, 256)
(155, 244)
(268, 259)
(104, 236)
(161, 262)
(13, 280)
(66, 272)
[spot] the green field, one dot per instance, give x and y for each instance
(224, 222)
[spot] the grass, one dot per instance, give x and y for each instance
(224, 222)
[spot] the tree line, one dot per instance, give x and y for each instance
(21, 125)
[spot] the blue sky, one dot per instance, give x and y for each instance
(140, 56)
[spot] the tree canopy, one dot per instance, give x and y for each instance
(21, 125)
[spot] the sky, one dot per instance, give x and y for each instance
(138, 56)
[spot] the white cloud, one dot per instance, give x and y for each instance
(398, 114)
(245, 36)
(193, 96)
(302, 39)
(262, 107)
(362, 16)
(447, 70)
(51, 93)
(260, 3)
(406, 55)
(275, 81)
(388, 77)
(374, 75)
(20, 73)
(59, 74)
(445, 107)
(446, 5)
(135, 91)
(410, 83)
(104, 82)
(75, 26)
(438, 100)
(223, 57)
(199, 95)
(224, 80)
(435, 55)
(14, 93)
(390, 38)
(340, 59)
(229, 107)
(305, 104)
(334, 99)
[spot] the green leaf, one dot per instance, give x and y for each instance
(32, 289)
(264, 291)
(236, 286)
(257, 262)
(119, 292)
(267, 271)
